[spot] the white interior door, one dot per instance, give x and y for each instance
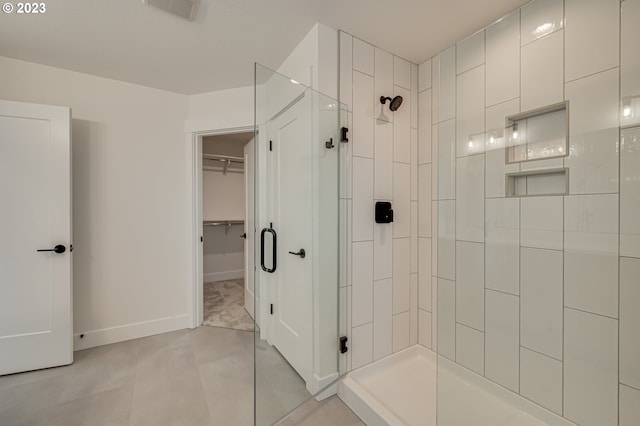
(35, 189)
(249, 227)
(290, 198)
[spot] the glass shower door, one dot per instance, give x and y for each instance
(296, 251)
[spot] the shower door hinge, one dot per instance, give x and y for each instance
(343, 136)
(343, 344)
(270, 145)
(271, 309)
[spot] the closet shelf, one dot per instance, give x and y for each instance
(222, 222)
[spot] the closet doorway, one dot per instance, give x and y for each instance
(227, 213)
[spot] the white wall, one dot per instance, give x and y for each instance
(130, 212)
(314, 62)
(224, 109)
(381, 165)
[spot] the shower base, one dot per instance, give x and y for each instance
(401, 390)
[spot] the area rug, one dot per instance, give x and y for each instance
(224, 305)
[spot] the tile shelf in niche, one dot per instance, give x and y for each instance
(538, 134)
(538, 183)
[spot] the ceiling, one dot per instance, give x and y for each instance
(127, 40)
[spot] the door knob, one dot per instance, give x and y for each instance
(57, 249)
(300, 253)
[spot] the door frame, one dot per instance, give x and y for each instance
(195, 296)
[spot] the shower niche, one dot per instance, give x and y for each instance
(540, 134)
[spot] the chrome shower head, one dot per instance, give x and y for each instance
(394, 103)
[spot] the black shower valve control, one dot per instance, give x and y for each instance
(383, 212)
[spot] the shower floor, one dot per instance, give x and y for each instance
(401, 390)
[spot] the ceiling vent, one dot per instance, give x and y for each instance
(185, 9)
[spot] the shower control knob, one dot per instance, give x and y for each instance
(300, 253)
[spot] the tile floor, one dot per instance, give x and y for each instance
(188, 377)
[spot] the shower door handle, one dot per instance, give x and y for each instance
(274, 249)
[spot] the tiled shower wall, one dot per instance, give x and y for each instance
(381, 288)
(541, 294)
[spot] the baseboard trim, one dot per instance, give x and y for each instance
(221, 276)
(106, 336)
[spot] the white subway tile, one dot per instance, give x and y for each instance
(361, 345)
(542, 222)
(424, 128)
(542, 72)
(424, 75)
(629, 322)
(424, 328)
(470, 284)
(541, 301)
(502, 339)
(414, 164)
(363, 208)
(590, 369)
(447, 87)
(382, 318)
(401, 275)
(383, 84)
(402, 128)
(363, 126)
(446, 319)
(435, 136)
(346, 163)
(495, 122)
(630, 62)
(629, 406)
(402, 73)
(470, 112)
(591, 253)
(363, 57)
(495, 172)
(424, 200)
(592, 31)
(414, 237)
(434, 314)
(435, 89)
(362, 284)
(401, 200)
(413, 337)
(470, 52)
(424, 275)
(502, 245)
(447, 239)
(630, 192)
(348, 326)
(541, 379)
(383, 167)
(414, 96)
(401, 330)
(346, 69)
(593, 159)
(344, 241)
(470, 201)
(434, 238)
(503, 60)
(382, 251)
(470, 348)
(447, 160)
(541, 18)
